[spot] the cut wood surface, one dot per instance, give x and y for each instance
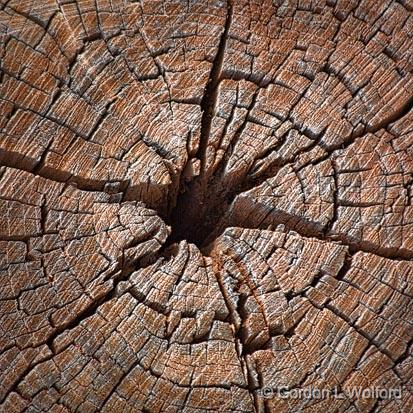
(206, 206)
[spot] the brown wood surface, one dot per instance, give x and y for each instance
(203, 202)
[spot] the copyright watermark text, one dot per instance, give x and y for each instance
(333, 393)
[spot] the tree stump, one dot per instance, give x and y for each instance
(206, 206)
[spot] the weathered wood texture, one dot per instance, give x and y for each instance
(203, 200)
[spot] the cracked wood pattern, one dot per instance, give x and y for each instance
(200, 200)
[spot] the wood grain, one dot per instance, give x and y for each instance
(203, 203)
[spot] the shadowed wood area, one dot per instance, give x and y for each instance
(206, 206)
